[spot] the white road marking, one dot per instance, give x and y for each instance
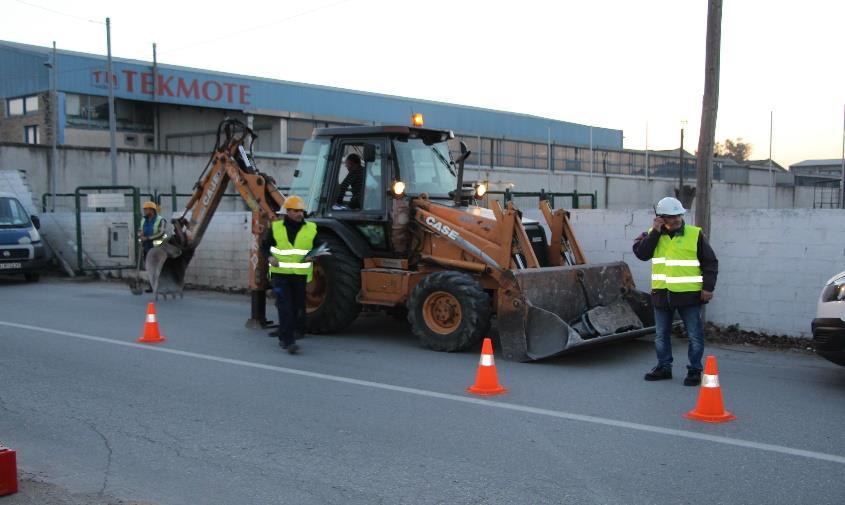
(791, 451)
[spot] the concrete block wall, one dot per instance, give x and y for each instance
(151, 172)
(772, 263)
(222, 259)
(14, 182)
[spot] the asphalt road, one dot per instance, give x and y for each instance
(219, 414)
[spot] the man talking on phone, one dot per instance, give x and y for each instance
(683, 277)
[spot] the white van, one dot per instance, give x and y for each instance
(21, 249)
(829, 324)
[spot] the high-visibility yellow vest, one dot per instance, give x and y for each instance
(290, 255)
(159, 234)
(675, 265)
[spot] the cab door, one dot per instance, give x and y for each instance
(359, 197)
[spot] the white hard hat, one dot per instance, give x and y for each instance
(669, 207)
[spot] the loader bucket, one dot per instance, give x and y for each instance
(544, 312)
(166, 266)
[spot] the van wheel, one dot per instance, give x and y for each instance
(449, 311)
(32, 277)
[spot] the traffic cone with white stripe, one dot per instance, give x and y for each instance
(486, 379)
(710, 408)
(151, 334)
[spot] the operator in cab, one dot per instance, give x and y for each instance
(287, 247)
(354, 181)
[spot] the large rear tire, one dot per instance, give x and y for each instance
(332, 293)
(449, 311)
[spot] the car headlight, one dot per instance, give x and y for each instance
(835, 291)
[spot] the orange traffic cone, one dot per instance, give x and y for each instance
(151, 335)
(486, 379)
(710, 408)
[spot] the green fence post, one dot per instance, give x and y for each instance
(507, 196)
(136, 221)
(575, 203)
(76, 198)
(595, 199)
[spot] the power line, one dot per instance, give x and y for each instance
(60, 13)
(240, 33)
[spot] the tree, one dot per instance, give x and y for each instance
(736, 150)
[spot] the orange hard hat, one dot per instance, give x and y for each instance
(150, 205)
(294, 202)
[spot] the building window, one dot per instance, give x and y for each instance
(507, 153)
(90, 111)
(22, 105)
(30, 134)
(30, 104)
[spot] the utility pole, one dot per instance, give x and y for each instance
(646, 151)
(681, 160)
(155, 103)
(112, 121)
(709, 108)
(54, 97)
(771, 169)
(842, 180)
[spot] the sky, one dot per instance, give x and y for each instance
(637, 66)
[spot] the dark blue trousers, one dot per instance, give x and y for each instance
(290, 304)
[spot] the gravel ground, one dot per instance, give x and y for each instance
(734, 335)
(34, 491)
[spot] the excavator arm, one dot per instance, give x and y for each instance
(229, 164)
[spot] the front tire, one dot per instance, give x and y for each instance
(449, 311)
(32, 276)
(331, 295)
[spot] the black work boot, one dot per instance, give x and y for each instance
(659, 373)
(693, 378)
(282, 344)
(274, 333)
(293, 348)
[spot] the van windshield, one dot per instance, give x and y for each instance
(12, 214)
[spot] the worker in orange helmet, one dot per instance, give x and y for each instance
(287, 247)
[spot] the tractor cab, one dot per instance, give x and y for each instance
(358, 180)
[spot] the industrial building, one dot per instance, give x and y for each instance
(169, 109)
(177, 109)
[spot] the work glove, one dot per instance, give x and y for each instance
(322, 250)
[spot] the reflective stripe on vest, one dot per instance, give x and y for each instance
(675, 264)
(285, 252)
(290, 255)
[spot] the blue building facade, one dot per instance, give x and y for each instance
(165, 105)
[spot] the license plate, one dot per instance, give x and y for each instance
(9, 266)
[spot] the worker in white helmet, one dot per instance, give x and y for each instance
(683, 277)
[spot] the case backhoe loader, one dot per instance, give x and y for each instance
(411, 239)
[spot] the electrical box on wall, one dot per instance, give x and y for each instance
(120, 240)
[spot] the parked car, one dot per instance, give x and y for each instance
(21, 248)
(829, 324)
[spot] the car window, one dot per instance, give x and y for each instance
(12, 213)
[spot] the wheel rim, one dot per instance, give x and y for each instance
(442, 312)
(315, 291)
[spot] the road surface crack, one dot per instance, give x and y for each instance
(107, 472)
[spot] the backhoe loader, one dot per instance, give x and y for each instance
(411, 239)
